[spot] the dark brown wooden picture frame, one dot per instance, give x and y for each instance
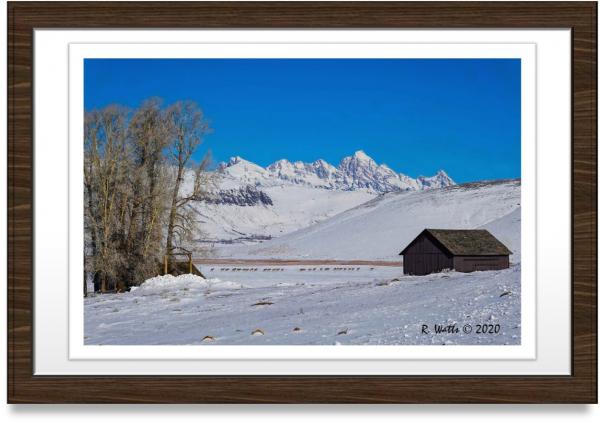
(579, 387)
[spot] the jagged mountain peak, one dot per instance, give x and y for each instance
(442, 173)
(439, 180)
(281, 163)
(321, 162)
(359, 158)
(323, 169)
(361, 155)
(234, 160)
(356, 172)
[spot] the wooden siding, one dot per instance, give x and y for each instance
(424, 256)
(480, 263)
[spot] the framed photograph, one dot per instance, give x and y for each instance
(302, 202)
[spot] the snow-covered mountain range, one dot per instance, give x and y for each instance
(253, 203)
(356, 172)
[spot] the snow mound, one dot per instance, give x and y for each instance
(163, 283)
(218, 284)
(168, 284)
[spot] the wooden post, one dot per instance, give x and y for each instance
(190, 258)
(166, 264)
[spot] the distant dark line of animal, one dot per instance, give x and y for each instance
(305, 263)
(313, 269)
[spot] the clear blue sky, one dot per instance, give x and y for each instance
(417, 116)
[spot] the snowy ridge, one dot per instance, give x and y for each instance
(243, 196)
(356, 172)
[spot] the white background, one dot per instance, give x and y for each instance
(259, 414)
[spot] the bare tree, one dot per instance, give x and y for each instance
(91, 158)
(187, 127)
(106, 170)
(149, 137)
(135, 164)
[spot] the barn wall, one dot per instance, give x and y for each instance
(480, 263)
(424, 256)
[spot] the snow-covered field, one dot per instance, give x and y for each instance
(367, 306)
(287, 275)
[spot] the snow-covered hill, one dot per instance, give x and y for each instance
(507, 229)
(381, 227)
(291, 208)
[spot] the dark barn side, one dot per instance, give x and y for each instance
(462, 250)
(425, 255)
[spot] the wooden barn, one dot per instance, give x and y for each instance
(461, 250)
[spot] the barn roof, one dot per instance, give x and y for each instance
(467, 242)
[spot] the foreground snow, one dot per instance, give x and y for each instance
(370, 305)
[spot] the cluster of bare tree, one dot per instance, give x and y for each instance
(136, 163)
